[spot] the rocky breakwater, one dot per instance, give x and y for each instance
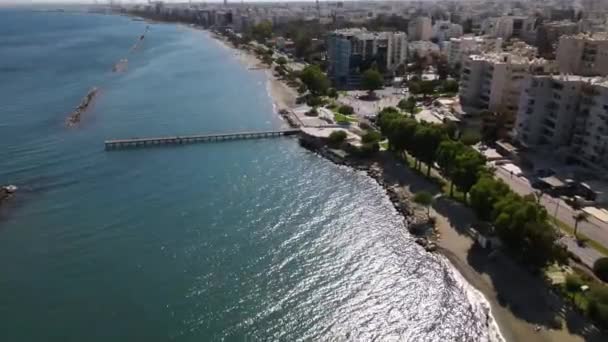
(415, 218)
(75, 117)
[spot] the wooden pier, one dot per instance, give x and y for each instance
(194, 139)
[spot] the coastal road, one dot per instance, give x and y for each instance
(593, 228)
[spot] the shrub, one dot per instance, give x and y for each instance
(371, 137)
(368, 149)
(312, 112)
(333, 93)
(337, 137)
(573, 283)
(346, 110)
(315, 101)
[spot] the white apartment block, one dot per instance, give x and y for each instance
(583, 54)
(459, 48)
(566, 114)
(420, 29)
(493, 81)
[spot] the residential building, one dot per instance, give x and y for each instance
(509, 26)
(445, 30)
(583, 54)
(352, 51)
(459, 48)
(492, 82)
(548, 34)
(566, 114)
(422, 49)
(420, 29)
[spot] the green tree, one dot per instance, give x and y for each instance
(447, 152)
(467, 165)
(600, 268)
(449, 86)
(316, 81)
(485, 194)
(408, 105)
(262, 31)
(372, 80)
(281, 61)
(337, 137)
(425, 199)
(426, 141)
(470, 138)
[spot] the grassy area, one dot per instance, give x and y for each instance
(417, 110)
(341, 118)
(570, 230)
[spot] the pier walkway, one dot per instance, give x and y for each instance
(194, 139)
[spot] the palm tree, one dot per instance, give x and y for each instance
(579, 217)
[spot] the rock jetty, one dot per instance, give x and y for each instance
(75, 116)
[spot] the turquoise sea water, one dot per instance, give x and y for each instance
(244, 240)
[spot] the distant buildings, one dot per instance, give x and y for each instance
(420, 29)
(566, 114)
(445, 30)
(422, 49)
(352, 51)
(583, 54)
(459, 48)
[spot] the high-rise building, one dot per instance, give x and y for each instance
(420, 29)
(566, 114)
(583, 54)
(353, 51)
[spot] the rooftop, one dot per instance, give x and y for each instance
(598, 36)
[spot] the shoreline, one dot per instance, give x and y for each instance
(509, 327)
(454, 245)
(519, 302)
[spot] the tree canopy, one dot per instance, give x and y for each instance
(316, 81)
(262, 31)
(372, 80)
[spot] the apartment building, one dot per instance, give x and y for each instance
(493, 81)
(352, 51)
(445, 30)
(548, 34)
(459, 48)
(420, 29)
(567, 114)
(583, 54)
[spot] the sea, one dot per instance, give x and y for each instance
(257, 240)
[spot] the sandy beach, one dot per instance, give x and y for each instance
(281, 94)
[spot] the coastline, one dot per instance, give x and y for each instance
(518, 305)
